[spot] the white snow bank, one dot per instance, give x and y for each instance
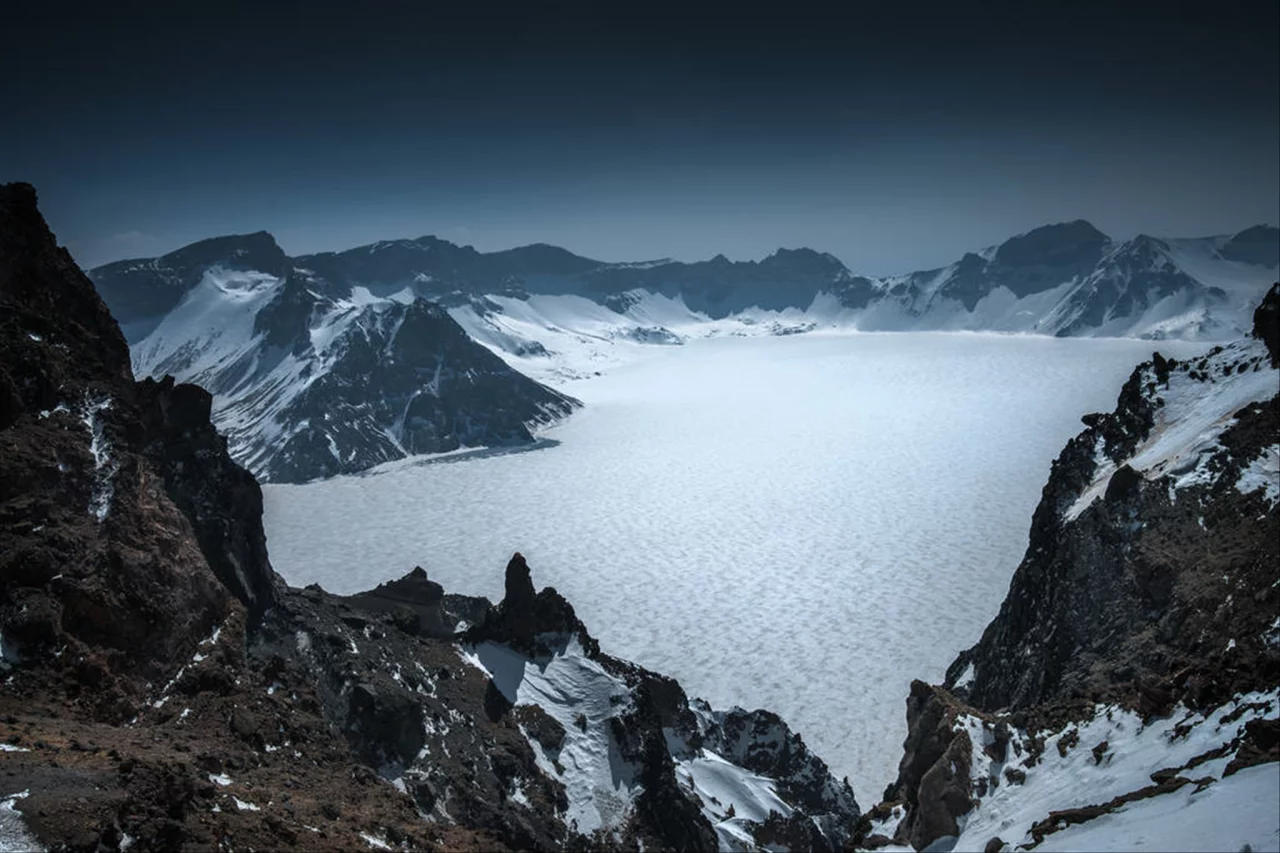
(104, 467)
(731, 797)
(580, 695)
(14, 836)
(1237, 811)
(1263, 473)
(1074, 778)
(375, 842)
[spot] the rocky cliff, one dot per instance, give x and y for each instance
(1137, 651)
(103, 572)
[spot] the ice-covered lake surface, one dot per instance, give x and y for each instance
(799, 523)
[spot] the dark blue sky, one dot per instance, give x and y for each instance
(893, 138)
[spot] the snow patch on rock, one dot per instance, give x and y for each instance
(1193, 410)
(582, 697)
(104, 466)
(1263, 474)
(14, 835)
(732, 798)
(1112, 754)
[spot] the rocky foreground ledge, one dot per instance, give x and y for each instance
(161, 688)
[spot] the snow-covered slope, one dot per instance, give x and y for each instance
(1071, 279)
(628, 747)
(309, 385)
(1067, 279)
(1191, 780)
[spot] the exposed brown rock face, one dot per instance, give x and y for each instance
(1266, 323)
(103, 580)
(1137, 599)
(933, 775)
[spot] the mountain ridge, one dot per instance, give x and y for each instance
(301, 353)
(1135, 660)
(1025, 264)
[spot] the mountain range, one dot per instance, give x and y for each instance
(335, 362)
(164, 688)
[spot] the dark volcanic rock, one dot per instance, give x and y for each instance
(132, 557)
(96, 556)
(531, 623)
(418, 605)
(1266, 323)
(934, 771)
(1148, 581)
(222, 500)
(1124, 601)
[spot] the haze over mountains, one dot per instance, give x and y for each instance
(334, 362)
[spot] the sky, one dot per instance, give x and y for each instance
(895, 136)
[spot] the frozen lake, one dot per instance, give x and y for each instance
(800, 523)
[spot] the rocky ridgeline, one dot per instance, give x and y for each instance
(162, 688)
(1148, 588)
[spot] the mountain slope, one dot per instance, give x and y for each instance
(308, 385)
(1128, 692)
(1072, 280)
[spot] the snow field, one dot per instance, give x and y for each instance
(1069, 775)
(801, 523)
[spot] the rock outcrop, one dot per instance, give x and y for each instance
(1152, 549)
(1146, 602)
(104, 582)
(133, 572)
(524, 619)
(1266, 323)
(664, 741)
(934, 774)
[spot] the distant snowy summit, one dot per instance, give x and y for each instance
(334, 362)
(1063, 279)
